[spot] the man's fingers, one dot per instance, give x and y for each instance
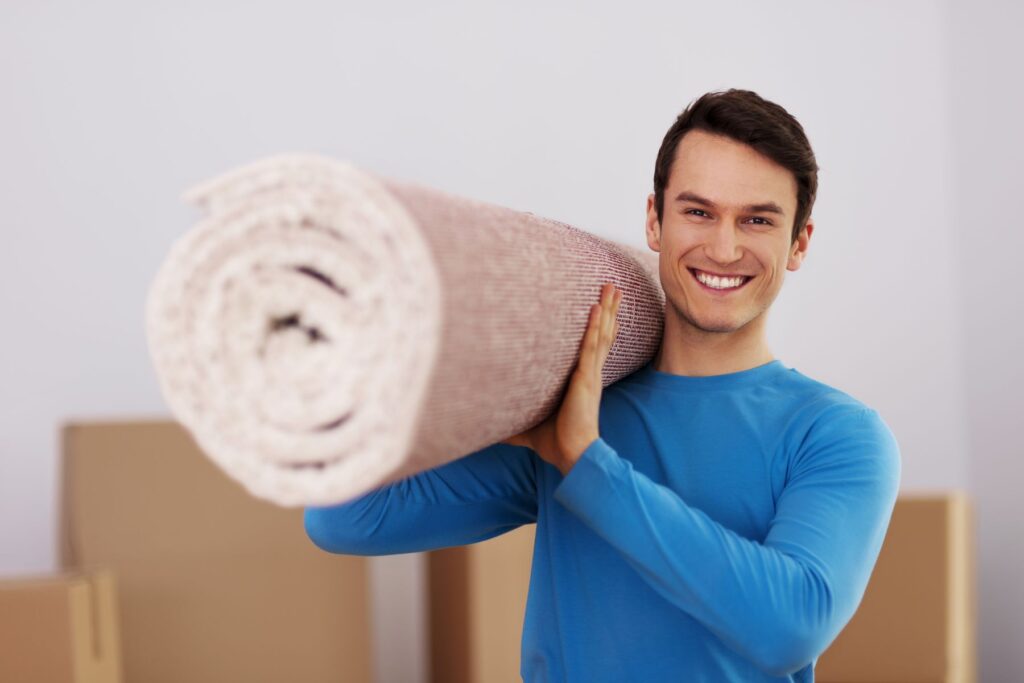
(602, 326)
(590, 338)
(606, 310)
(610, 308)
(597, 360)
(613, 313)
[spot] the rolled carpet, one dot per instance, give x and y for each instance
(323, 331)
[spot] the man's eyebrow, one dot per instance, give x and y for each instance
(766, 207)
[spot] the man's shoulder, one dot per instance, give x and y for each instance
(818, 396)
(776, 384)
(830, 414)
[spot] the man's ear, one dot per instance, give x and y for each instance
(798, 251)
(653, 225)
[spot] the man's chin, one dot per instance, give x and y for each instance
(713, 326)
(709, 324)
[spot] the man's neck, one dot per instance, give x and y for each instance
(686, 350)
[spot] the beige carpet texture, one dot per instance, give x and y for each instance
(323, 331)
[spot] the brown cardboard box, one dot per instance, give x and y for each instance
(59, 629)
(215, 585)
(916, 622)
(477, 596)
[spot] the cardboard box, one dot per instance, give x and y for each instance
(917, 622)
(215, 585)
(477, 604)
(59, 629)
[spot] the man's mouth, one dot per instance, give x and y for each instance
(721, 283)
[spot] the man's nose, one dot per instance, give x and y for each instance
(723, 245)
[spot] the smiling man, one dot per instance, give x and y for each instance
(714, 516)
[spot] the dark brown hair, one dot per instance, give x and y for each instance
(745, 117)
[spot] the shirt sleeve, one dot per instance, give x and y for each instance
(476, 497)
(779, 602)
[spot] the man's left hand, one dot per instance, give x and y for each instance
(562, 438)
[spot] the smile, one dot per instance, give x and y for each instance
(721, 283)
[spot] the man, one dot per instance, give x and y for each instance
(714, 516)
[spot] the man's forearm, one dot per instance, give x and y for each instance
(777, 603)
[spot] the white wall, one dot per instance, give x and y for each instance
(111, 110)
(988, 107)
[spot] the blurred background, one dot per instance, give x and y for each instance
(909, 298)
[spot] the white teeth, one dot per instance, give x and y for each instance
(716, 282)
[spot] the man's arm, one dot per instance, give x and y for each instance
(779, 602)
(486, 493)
(479, 496)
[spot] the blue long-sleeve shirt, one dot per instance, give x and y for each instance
(721, 528)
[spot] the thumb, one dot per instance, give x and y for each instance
(518, 440)
(532, 434)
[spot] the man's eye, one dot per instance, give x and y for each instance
(692, 210)
(763, 220)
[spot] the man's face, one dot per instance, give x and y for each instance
(723, 250)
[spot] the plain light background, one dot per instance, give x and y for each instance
(908, 300)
